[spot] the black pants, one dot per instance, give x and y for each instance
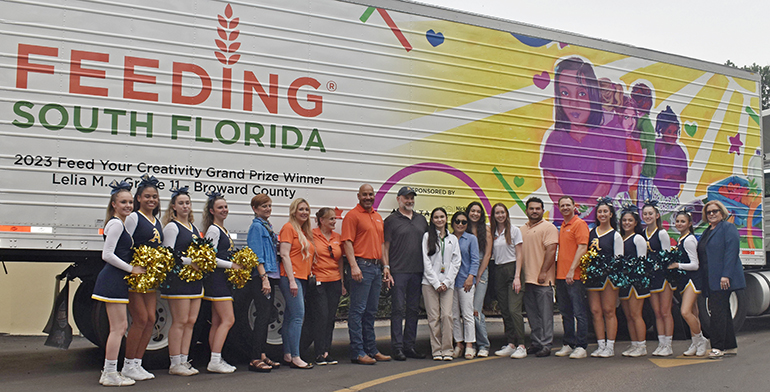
(263, 311)
(721, 329)
(405, 310)
(321, 312)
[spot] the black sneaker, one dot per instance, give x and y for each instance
(330, 361)
(320, 360)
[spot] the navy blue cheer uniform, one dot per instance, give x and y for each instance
(688, 262)
(659, 240)
(144, 232)
(215, 284)
(178, 236)
(110, 284)
(634, 247)
(607, 244)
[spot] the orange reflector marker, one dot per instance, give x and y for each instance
(16, 229)
(101, 231)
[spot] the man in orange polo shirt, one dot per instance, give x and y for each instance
(540, 239)
(362, 233)
(570, 294)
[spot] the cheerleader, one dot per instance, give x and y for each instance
(690, 282)
(215, 284)
(603, 296)
(145, 229)
(111, 286)
(632, 297)
(184, 298)
(661, 289)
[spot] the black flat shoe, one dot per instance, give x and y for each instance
(412, 353)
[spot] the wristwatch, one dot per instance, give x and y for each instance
(386, 266)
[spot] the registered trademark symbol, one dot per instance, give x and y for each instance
(331, 85)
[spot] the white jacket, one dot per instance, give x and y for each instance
(432, 274)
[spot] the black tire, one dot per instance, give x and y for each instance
(82, 308)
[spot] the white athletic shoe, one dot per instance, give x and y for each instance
(220, 367)
(519, 353)
(578, 353)
(692, 349)
(137, 373)
(703, 345)
(190, 366)
(115, 379)
(505, 351)
(608, 352)
(180, 370)
(483, 353)
(665, 351)
(598, 352)
(656, 352)
(628, 351)
(639, 351)
(565, 351)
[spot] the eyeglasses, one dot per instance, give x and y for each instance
(712, 212)
(331, 253)
(461, 222)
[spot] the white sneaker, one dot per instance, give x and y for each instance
(565, 351)
(180, 370)
(702, 347)
(640, 351)
(692, 349)
(598, 352)
(519, 353)
(115, 379)
(628, 351)
(220, 367)
(137, 373)
(505, 351)
(608, 352)
(656, 352)
(190, 366)
(665, 351)
(578, 353)
(483, 353)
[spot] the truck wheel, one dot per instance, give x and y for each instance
(737, 309)
(82, 308)
(156, 356)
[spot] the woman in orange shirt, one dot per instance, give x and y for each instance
(324, 298)
(297, 254)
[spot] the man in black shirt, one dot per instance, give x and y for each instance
(402, 270)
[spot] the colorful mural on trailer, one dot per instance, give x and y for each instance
(563, 119)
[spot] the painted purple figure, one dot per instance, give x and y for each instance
(671, 159)
(580, 155)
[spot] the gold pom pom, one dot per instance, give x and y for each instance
(156, 262)
(204, 257)
(246, 259)
(585, 261)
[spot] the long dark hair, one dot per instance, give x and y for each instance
(613, 214)
(432, 232)
(138, 194)
(586, 78)
(637, 227)
(478, 228)
(689, 219)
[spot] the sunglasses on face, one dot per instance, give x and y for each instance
(712, 212)
(461, 222)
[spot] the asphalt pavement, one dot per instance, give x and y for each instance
(27, 365)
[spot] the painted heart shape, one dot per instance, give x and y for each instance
(434, 38)
(542, 80)
(518, 181)
(690, 128)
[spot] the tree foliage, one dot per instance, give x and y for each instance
(764, 72)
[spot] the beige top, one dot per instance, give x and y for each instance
(536, 238)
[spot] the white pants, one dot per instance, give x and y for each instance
(462, 312)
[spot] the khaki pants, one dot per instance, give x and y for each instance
(439, 309)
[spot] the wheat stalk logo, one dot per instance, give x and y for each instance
(227, 32)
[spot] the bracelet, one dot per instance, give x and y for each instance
(386, 266)
(262, 276)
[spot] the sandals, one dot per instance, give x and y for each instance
(272, 363)
(259, 366)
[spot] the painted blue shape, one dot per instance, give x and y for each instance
(434, 38)
(531, 41)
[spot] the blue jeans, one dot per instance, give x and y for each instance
(364, 300)
(405, 300)
(291, 331)
(482, 340)
(572, 306)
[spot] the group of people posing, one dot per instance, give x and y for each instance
(414, 257)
